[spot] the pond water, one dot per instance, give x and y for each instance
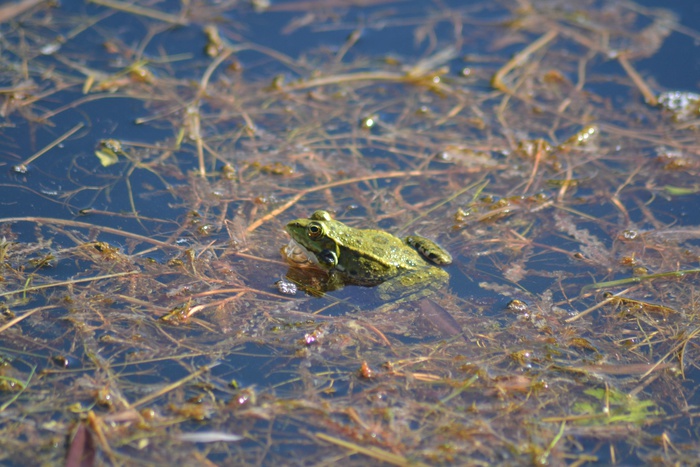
(153, 153)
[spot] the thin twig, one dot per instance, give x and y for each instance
(174, 385)
(62, 283)
(370, 451)
(595, 307)
(17, 319)
(54, 143)
(137, 10)
(275, 212)
(12, 10)
(519, 59)
(649, 96)
(101, 228)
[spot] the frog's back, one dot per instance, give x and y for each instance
(394, 251)
(373, 256)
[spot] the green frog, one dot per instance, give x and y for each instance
(402, 270)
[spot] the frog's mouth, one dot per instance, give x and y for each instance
(299, 256)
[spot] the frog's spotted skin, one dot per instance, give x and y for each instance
(429, 250)
(371, 257)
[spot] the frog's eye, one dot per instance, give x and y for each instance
(314, 230)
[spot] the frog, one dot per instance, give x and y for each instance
(401, 269)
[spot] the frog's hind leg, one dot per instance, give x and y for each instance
(429, 250)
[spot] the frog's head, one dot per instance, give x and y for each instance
(314, 236)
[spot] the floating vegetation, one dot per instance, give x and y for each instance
(154, 152)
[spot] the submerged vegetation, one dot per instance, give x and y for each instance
(153, 154)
